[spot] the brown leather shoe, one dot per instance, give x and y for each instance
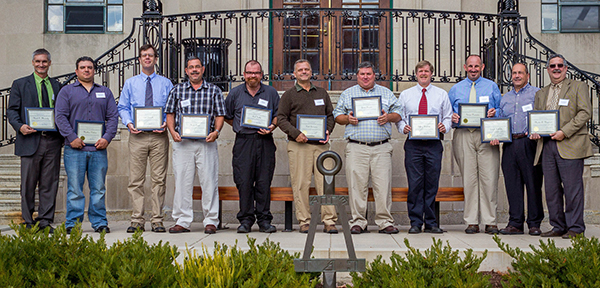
(570, 234)
(330, 229)
(472, 229)
(511, 230)
(356, 229)
(491, 229)
(553, 233)
(535, 231)
(304, 228)
(389, 230)
(210, 229)
(178, 229)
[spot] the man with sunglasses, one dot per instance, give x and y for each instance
(562, 154)
(254, 150)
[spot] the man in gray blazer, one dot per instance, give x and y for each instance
(39, 150)
(562, 154)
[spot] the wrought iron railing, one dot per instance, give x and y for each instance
(334, 40)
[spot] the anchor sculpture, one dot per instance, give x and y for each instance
(329, 266)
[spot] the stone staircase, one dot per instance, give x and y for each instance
(10, 181)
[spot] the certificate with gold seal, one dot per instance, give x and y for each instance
(423, 127)
(496, 128)
(471, 114)
(254, 117)
(40, 119)
(314, 127)
(543, 122)
(89, 131)
(194, 126)
(148, 118)
(365, 108)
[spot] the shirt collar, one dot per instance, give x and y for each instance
(188, 84)
(522, 89)
(260, 90)
(300, 88)
(476, 81)
(39, 79)
(426, 88)
(151, 76)
(77, 83)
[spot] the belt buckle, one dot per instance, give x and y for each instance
(44, 133)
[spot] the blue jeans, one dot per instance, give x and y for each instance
(77, 164)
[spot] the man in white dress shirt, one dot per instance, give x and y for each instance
(423, 158)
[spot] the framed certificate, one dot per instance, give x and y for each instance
(40, 119)
(423, 127)
(313, 126)
(89, 131)
(254, 117)
(194, 126)
(148, 118)
(365, 108)
(496, 128)
(470, 114)
(544, 122)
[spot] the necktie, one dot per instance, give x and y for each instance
(45, 99)
(553, 101)
(423, 103)
(149, 100)
(473, 94)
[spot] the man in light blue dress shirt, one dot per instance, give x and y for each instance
(143, 90)
(479, 163)
(368, 151)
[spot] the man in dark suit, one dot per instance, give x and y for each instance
(562, 154)
(39, 150)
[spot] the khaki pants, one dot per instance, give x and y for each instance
(479, 165)
(144, 146)
(303, 164)
(376, 161)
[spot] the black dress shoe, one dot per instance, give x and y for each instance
(491, 229)
(391, 230)
(50, 228)
(535, 231)
(511, 230)
(268, 228)
(68, 229)
(102, 229)
(553, 233)
(244, 228)
(414, 230)
(434, 230)
(570, 234)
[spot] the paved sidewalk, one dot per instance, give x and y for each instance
(367, 246)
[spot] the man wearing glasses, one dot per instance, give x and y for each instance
(254, 150)
(562, 154)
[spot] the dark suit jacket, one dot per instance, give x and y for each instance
(573, 119)
(23, 93)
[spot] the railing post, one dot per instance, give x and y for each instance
(152, 28)
(508, 40)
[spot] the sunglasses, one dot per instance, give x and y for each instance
(552, 66)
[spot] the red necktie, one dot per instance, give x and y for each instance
(423, 103)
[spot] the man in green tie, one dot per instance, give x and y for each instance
(479, 163)
(39, 150)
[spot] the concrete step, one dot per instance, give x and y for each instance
(9, 159)
(7, 205)
(10, 180)
(13, 216)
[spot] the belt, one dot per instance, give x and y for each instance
(253, 136)
(518, 136)
(48, 133)
(369, 143)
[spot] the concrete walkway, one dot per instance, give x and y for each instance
(367, 246)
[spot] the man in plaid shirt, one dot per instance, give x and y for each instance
(195, 96)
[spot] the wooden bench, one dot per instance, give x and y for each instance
(399, 194)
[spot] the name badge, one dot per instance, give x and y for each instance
(319, 102)
(527, 107)
(186, 103)
(100, 95)
(263, 102)
(484, 99)
(563, 102)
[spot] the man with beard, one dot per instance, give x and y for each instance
(423, 158)
(254, 150)
(478, 162)
(517, 157)
(307, 99)
(562, 154)
(146, 89)
(195, 96)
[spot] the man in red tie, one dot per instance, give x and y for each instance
(422, 150)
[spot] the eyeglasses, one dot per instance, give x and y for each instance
(552, 66)
(252, 73)
(146, 55)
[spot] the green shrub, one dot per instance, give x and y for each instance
(264, 265)
(436, 267)
(549, 266)
(34, 259)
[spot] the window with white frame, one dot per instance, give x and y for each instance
(570, 16)
(84, 16)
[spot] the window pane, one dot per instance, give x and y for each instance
(549, 17)
(579, 18)
(84, 19)
(55, 1)
(549, 1)
(85, 1)
(115, 18)
(115, 1)
(55, 18)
